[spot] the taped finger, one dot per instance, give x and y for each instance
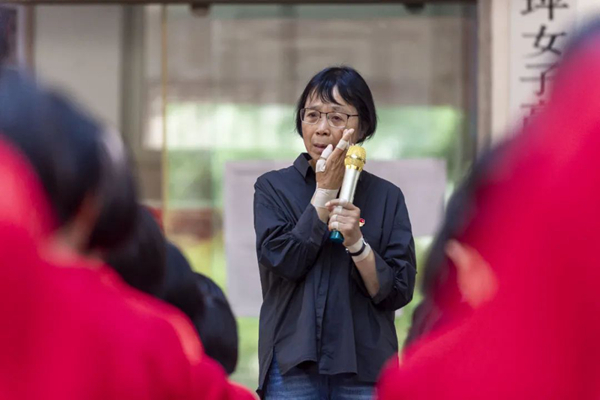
(322, 161)
(321, 164)
(342, 144)
(327, 152)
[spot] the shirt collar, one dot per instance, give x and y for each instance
(302, 164)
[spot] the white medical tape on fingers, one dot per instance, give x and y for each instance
(327, 152)
(322, 161)
(342, 144)
(323, 196)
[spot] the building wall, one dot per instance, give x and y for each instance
(586, 10)
(92, 53)
(79, 49)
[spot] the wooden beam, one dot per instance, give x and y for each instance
(208, 2)
(484, 76)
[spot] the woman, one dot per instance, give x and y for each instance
(327, 319)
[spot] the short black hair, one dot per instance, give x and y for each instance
(179, 285)
(117, 195)
(205, 304)
(352, 88)
(141, 260)
(216, 325)
(58, 139)
(82, 169)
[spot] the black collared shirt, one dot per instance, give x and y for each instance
(316, 309)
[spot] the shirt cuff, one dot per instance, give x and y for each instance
(385, 277)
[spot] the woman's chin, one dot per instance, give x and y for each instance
(313, 158)
(313, 154)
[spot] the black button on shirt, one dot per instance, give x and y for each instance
(316, 309)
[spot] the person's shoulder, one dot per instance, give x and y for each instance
(132, 334)
(146, 308)
(274, 176)
(140, 344)
(127, 317)
(170, 343)
(382, 185)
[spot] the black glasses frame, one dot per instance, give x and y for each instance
(303, 110)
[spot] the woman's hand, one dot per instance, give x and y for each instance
(333, 176)
(345, 218)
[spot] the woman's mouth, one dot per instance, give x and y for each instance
(319, 147)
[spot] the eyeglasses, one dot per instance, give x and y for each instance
(334, 119)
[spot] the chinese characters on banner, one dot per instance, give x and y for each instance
(540, 29)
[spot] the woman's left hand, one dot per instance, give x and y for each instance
(345, 218)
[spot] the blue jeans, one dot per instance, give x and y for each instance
(300, 385)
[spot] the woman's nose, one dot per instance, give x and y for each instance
(323, 125)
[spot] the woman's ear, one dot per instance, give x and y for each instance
(476, 280)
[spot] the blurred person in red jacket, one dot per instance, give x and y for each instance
(537, 226)
(447, 261)
(73, 329)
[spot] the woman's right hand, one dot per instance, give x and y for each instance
(333, 176)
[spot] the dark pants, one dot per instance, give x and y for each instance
(301, 385)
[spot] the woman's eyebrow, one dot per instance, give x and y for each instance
(339, 108)
(334, 107)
